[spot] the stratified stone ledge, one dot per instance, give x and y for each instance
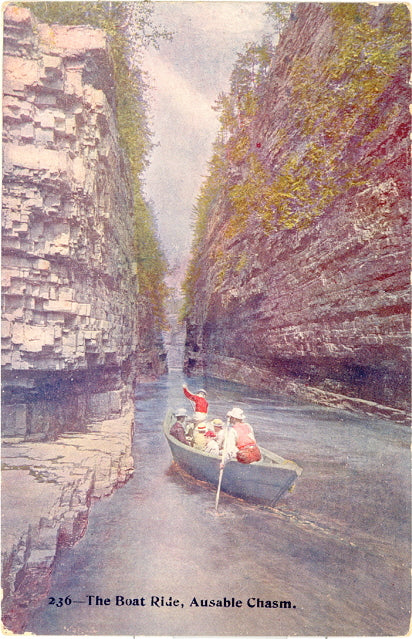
(265, 378)
(61, 478)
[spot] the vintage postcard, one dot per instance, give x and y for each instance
(206, 319)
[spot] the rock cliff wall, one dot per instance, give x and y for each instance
(319, 309)
(76, 333)
(72, 316)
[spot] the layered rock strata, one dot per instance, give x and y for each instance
(52, 485)
(72, 312)
(320, 311)
(76, 334)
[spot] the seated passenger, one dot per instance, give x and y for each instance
(199, 438)
(219, 431)
(248, 450)
(226, 440)
(178, 428)
(216, 423)
(212, 447)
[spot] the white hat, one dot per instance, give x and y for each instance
(237, 413)
(181, 412)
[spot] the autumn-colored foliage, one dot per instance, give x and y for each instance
(328, 100)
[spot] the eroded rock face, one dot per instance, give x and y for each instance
(321, 311)
(52, 486)
(73, 322)
(76, 335)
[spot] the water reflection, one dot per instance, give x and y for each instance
(337, 547)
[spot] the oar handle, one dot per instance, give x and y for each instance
(218, 488)
(222, 464)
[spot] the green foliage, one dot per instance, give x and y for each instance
(328, 101)
(129, 29)
(238, 148)
(248, 76)
(97, 14)
(242, 262)
(212, 187)
(361, 65)
(232, 148)
(325, 104)
(152, 265)
(331, 98)
(251, 68)
(279, 13)
(248, 196)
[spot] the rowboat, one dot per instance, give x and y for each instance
(262, 482)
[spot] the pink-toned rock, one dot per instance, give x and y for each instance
(62, 478)
(323, 310)
(69, 41)
(76, 333)
(17, 14)
(19, 74)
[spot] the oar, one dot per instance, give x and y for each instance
(223, 463)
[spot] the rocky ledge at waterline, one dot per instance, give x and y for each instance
(53, 485)
(76, 333)
(300, 277)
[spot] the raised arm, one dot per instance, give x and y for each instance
(188, 394)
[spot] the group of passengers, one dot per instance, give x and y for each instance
(235, 440)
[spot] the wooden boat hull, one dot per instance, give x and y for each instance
(263, 482)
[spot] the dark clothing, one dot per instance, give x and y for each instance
(178, 431)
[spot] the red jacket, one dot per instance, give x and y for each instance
(201, 405)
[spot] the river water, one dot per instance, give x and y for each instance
(336, 548)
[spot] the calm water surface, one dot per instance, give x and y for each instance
(337, 547)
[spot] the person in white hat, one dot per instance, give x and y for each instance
(247, 449)
(178, 428)
(199, 400)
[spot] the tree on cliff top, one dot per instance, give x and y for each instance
(130, 28)
(280, 13)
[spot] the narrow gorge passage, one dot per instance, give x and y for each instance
(271, 267)
(159, 535)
